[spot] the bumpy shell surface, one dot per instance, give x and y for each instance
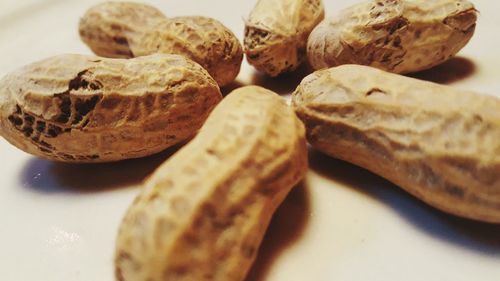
(76, 108)
(439, 144)
(276, 33)
(399, 36)
(114, 29)
(123, 29)
(203, 213)
(204, 40)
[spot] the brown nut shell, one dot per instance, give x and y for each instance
(127, 29)
(76, 108)
(276, 33)
(114, 29)
(399, 36)
(202, 215)
(204, 40)
(440, 144)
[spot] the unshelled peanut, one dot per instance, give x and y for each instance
(114, 29)
(276, 33)
(399, 36)
(127, 29)
(76, 108)
(202, 215)
(440, 144)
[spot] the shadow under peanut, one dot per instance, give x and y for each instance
(286, 228)
(452, 70)
(283, 84)
(46, 176)
(226, 90)
(478, 237)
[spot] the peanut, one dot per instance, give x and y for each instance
(399, 36)
(126, 30)
(276, 33)
(440, 144)
(202, 215)
(76, 108)
(114, 29)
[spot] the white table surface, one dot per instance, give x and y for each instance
(58, 222)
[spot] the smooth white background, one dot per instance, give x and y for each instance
(58, 222)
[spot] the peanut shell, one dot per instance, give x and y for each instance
(276, 33)
(76, 108)
(399, 36)
(202, 39)
(440, 144)
(114, 29)
(127, 29)
(202, 215)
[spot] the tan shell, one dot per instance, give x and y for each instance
(127, 29)
(203, 213)
(276, 33)
(114, 29)
(399, 36)
(440, 144)
(202, 39)
(76, 108)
